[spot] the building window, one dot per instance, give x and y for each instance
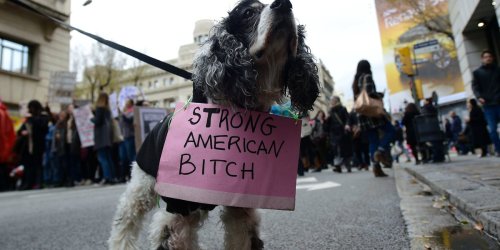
(15, 57)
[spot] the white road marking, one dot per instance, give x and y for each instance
(318, 186)
(307, 179)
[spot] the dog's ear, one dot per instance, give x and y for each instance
(224, 70)
(302, 76)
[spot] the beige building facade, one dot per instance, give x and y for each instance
(475, 28)
(32, 47)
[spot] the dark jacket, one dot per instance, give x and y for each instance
(411, 135)
(367, 123)
(398, 136)
(336, 121)
(456, 125)
(103, 136)
(477, 132)
(39, 128)
(486, 84)
(429, 109)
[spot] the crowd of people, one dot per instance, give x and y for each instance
(46, 151)
(351, 139)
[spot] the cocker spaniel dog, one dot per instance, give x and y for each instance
(254, 58)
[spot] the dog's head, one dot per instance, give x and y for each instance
(255, 56)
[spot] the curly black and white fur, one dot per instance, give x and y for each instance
(254, 58)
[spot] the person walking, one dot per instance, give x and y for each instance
(476, 126)
(411, 111)
(103, 137)
(379, 146)
(360, 143)
(437, 148)
(399, 144)
(456, 128)
(340, 141)
(486, 88)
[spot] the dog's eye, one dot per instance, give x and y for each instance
(248, 13)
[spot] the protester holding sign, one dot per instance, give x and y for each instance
(103, 137)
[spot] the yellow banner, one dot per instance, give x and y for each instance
(433, 53)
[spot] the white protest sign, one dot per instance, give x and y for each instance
(126, 93)
(61, 87)
(113, 104)
(84, 125)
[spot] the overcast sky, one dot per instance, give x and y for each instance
(340, 33)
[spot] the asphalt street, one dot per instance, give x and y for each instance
(333, 211)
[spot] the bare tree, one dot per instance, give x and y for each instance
(428, 13)
(137, 71)
(103, 69)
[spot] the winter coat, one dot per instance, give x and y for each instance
(477, 126)
(337, 120)
(486, 84)
(398, 136)
(411, 135)
(103, 134)
(456, 125)
(7, 135)
(367, 123)
(429, 109)
(37, 127)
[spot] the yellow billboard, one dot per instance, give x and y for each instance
(411, 24)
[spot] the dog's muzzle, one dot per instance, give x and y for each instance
(281, 6)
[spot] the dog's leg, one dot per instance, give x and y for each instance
(241, 229)
(135, 202)
(176, 232)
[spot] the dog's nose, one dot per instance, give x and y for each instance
(281, 5)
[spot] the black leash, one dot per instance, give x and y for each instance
(133, 53)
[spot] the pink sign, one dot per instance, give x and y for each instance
(233, 157)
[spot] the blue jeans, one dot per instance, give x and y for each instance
(492, 115)
(106, 162)
(381, 143)
(51, 170)
(127, 151)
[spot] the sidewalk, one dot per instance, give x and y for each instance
(471, 184)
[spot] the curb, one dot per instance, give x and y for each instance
(478, 201)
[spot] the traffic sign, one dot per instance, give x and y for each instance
(427, 47)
